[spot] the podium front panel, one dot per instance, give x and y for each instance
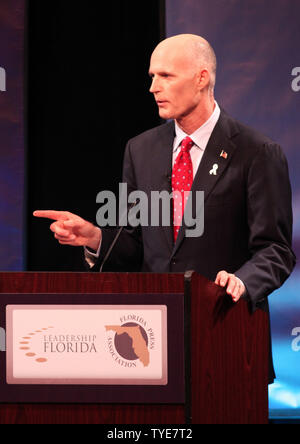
(92, 348)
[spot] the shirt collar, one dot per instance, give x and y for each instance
(201, 136)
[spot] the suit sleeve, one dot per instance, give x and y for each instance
(270, 224)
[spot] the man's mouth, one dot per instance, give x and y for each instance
(161, 102)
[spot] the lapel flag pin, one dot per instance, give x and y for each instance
(224, 154)
(213, 171)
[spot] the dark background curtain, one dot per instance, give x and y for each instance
(88, 94)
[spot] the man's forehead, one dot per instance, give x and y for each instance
(168, 60)
(169, 48)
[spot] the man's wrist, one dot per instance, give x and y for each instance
(95, 241)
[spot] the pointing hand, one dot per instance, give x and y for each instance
(70, 229)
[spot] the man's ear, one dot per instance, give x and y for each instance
(203, 79)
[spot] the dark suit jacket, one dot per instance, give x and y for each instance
(247, 212)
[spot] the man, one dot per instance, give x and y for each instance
(246, 244)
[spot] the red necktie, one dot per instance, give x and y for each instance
(182, 180)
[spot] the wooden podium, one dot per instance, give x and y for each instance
(226, 352)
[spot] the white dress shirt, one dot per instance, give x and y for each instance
(200, 137)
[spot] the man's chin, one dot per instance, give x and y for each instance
(164, 114)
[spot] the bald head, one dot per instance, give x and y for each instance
(194, 50)
(183, 73)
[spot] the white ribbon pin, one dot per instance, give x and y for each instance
(214, 170)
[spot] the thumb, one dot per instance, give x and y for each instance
(74, 222)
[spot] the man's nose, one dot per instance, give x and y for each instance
(154, 85)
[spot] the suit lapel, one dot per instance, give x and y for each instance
(212, 165)
(161, 169)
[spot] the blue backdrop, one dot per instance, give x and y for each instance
(257, 47)
(11, 134)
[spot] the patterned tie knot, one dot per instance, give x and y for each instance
(186, 144)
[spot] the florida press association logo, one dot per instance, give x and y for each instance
(130, 343)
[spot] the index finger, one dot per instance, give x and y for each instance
(51, 214)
